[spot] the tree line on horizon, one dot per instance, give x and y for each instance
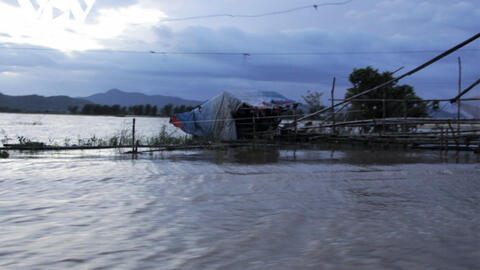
(147, 110)
(361, 79)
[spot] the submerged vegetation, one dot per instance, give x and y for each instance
(123, 138)
(29, 143)
(4, 154)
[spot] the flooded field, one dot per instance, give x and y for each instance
(69, 129)
(238, 209)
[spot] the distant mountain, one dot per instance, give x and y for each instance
(442, 114)
(35, 103)
(122, 98)
(469, 109)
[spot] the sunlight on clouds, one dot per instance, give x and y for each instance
(20, 27)
(113, 22)
(9, 73)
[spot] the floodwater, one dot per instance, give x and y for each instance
(69, 129)
(240, 209)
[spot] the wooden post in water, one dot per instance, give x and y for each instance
(442, 147)
(133, 136)
(405, 114)
(254, 129)
(459, 91)
(384, 110)
(296, 124)
(334, 131)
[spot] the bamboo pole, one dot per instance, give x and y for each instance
(384, 110)
(133, 135)
(441, 139)
(408, 99)
(455, 99)
(334, 131)
(397, 121)
(296, 126)
(426, 64)
(254, 128)
(405, 114)
(459, 91)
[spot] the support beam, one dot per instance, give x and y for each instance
(455, 99)
(334, 131)
(459, 92)
(426, 64)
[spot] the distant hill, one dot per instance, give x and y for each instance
(35, 103)
(469, 109)
(441, 114)
(115, 96)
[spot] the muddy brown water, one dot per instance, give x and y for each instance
(240, 209)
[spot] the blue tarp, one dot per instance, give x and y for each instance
(213, 119)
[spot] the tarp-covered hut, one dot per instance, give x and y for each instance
(234, 115)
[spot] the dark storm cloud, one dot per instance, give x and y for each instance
(362, 34)
(343, 52)
(20, 57)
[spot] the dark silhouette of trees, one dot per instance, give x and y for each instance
(116, 110)
(367, 78)
(179, 109)
(154, 110)
(96, 109)
(7, 109)
(313, 101)
(167, 110)
(73, 109)
(87, 109)
(148, 109)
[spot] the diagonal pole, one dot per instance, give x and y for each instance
(424, 65)
(455, 99)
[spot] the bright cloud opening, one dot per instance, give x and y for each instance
(65, 33)
(9, 73)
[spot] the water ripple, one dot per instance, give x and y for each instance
(196, 213)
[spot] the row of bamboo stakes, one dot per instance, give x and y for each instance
(441, 142)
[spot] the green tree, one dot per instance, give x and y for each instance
(179, 109)
(116, 110)
(167, 110)
(148, 109)
(87, 109)
(154, 110)
(368, 78)
(73, 109)
(138, 110)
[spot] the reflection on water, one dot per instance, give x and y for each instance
(271, 155)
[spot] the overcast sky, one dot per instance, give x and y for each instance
(110, 48)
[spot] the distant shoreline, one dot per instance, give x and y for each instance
(79, 114)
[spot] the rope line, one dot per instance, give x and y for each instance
(9, 46)
(313, 6)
